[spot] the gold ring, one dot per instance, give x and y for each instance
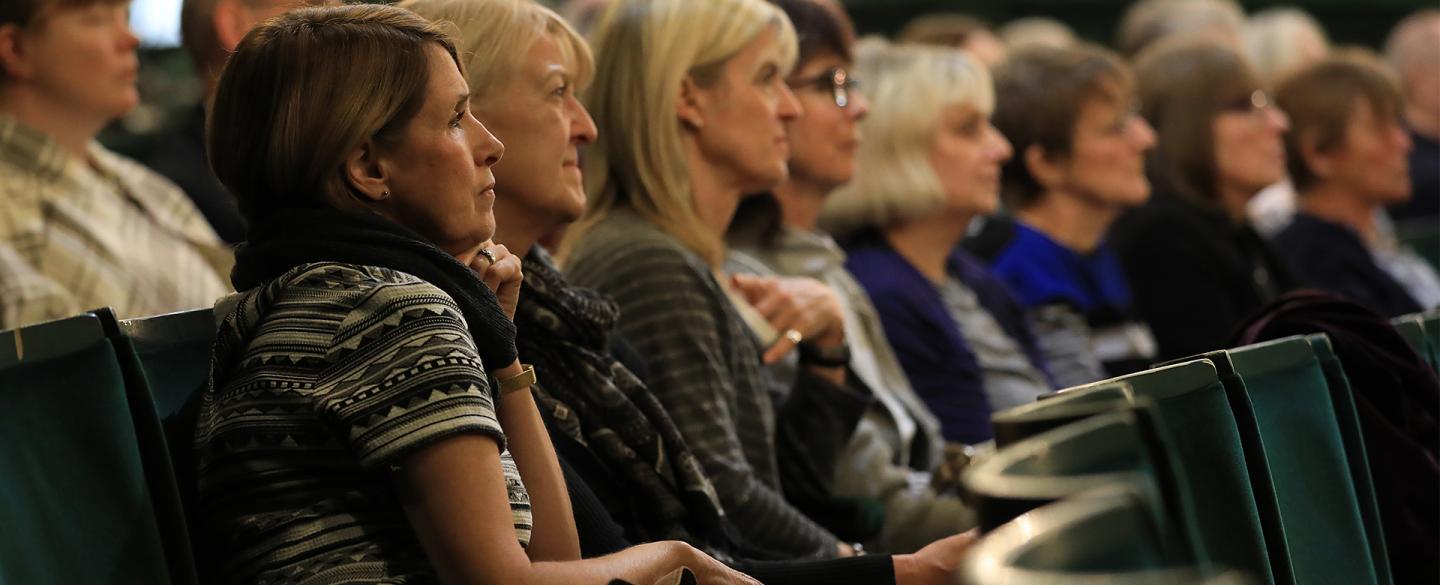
(794, 336)
(488, 255)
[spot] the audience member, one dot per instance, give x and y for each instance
(1080, 162)
(80, 226)
(684, 134)
(960, 31)
(1413, 49)
(608, 426)
(1279, 41)
(1040, 31)
(1147, 22)
(369, 283)
(897, 439)
(1348, 154)
(209, 30)
(930, 162)
(1195, 264)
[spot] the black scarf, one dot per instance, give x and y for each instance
(597, 402)
(296, 236)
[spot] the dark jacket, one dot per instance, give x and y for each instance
(931, 348)
(180, 156)
(1195, 273)
(1332, 257)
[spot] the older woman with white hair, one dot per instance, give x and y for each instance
(930, 163)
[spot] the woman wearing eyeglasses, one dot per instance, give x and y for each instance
(1196, 265)
(898, 439)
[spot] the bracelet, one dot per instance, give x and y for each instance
(521, 381)
(825, 357)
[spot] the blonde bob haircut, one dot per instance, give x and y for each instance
(645, 49)
(493, 37)
(909, 87)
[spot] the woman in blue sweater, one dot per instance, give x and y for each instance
(930, 163)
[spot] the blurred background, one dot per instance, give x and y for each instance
(169, 88)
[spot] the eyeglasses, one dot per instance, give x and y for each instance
(1254, 104)
(837, 81)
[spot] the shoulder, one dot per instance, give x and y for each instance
(624, 252)
(353, 299)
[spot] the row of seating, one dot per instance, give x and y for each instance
(1249, 459)
(96, 415)
(1247, 463)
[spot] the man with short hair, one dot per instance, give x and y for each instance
(82, 227)
(209, 30)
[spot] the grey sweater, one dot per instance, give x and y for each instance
(705, 368)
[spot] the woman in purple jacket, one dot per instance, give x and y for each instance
(930, 164)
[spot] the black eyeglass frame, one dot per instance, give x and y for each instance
(836, 80)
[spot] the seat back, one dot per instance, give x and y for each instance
(1318, 505)
(1351, 433)
(74, 494)
(1412, 328)
(1106, 449)
(1192, 404)
(1057, 410)
(173, 353)
(1105, 536)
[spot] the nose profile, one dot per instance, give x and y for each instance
(489, 149)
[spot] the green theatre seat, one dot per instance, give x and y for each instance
(173, 354)
(1348, 420)
(1106, 536)
(1192, 404)
(1302, 445)
(1107, 449)
(75, 497)
(1057, 410)
(1412, 328)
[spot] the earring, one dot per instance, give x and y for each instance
(385, 195)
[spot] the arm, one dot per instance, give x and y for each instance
(455, 499)
(554, 537)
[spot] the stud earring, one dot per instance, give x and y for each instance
(385, 195)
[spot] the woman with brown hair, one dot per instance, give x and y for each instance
(1080, 163)
(352, 433)
(1196, 265)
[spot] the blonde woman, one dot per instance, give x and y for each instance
(690, 99)
(352, 433)
(603, 420)
(930, 163)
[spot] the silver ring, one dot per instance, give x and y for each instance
(794, 336)
(488, 255)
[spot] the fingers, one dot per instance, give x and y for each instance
(506, 268)
(777, 352)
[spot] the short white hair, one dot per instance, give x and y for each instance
(1274, 41)
(1415, 43)
(909, 87)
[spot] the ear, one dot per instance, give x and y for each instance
(1321, 164)
(231, 22)
(366, 174)
(13, 62)
(690, 108)
(1048, 173)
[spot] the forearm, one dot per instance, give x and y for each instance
(641, 564)
(553, 537)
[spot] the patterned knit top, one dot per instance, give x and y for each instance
(323, 381)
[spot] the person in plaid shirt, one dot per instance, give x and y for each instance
(82, 227)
